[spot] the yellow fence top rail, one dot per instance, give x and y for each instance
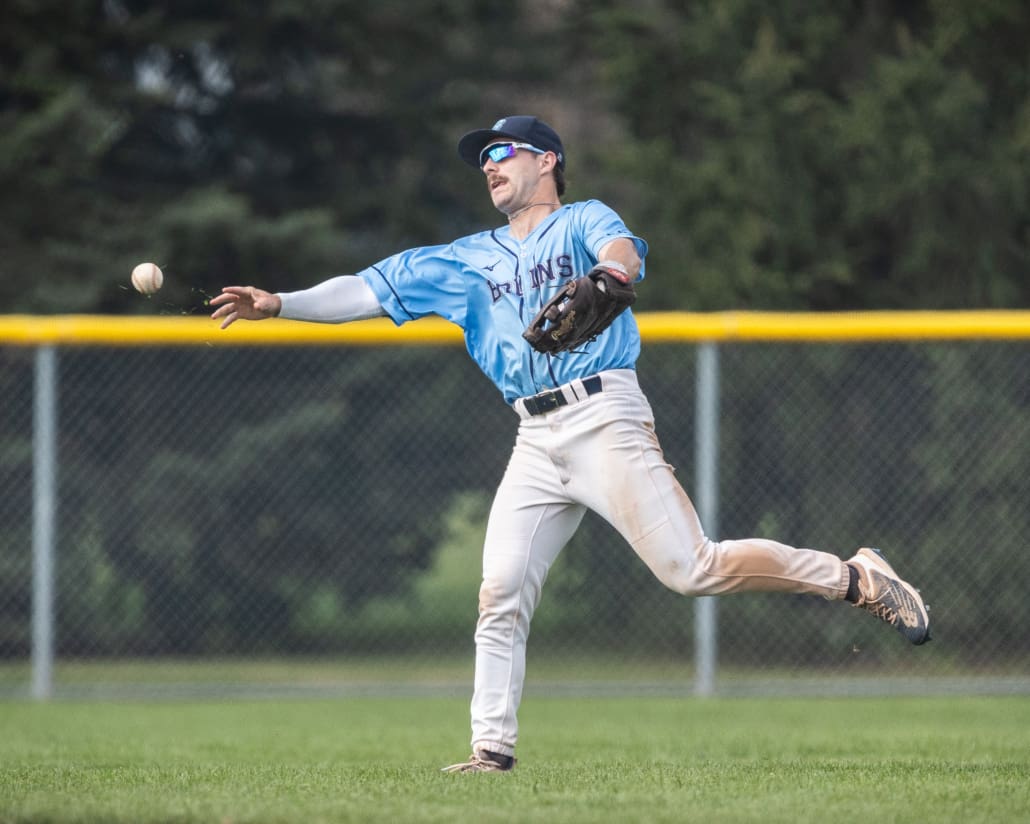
(167, 330)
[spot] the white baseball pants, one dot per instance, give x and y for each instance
(601, 452)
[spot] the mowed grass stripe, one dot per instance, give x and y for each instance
(581, 760)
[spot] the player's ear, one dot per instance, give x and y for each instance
(547, 162)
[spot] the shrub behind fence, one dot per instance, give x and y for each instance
(326, 498)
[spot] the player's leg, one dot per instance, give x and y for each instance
(651, 510)
(530, 521)
(621, 473)
(686, 560)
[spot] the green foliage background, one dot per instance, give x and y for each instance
(815, 156)
(804, 155)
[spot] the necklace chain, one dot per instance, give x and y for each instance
(515, 214)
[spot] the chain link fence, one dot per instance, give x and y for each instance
(284, 518)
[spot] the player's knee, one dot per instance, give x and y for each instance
(497, 599)
(500, 620)
(683, 583)
(688, 574)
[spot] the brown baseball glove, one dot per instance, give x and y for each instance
(581, 310)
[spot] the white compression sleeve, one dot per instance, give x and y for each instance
(336, 300)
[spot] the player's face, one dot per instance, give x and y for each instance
(513, 182)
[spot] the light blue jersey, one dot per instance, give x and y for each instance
(492, 286)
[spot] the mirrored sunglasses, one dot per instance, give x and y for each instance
(502, 151)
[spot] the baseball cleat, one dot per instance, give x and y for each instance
(888, 597)
(482, 761)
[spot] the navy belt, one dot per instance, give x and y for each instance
(553, 398)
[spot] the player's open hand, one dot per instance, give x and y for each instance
(244, 303)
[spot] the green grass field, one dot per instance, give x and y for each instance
(922, 760)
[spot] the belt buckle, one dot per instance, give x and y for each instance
(548, 400)
(545, 401)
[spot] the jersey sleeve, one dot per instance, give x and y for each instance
(418, 282)
(600, 225)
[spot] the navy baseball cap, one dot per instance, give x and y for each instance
(522, 128)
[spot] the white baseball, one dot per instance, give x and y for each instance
(147, 278)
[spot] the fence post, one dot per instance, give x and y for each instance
(44, 519)
(706, 473)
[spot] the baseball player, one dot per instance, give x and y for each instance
(586, 437)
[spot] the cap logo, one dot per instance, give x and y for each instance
(499, 124)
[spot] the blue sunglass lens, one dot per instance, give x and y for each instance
(497, 153)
